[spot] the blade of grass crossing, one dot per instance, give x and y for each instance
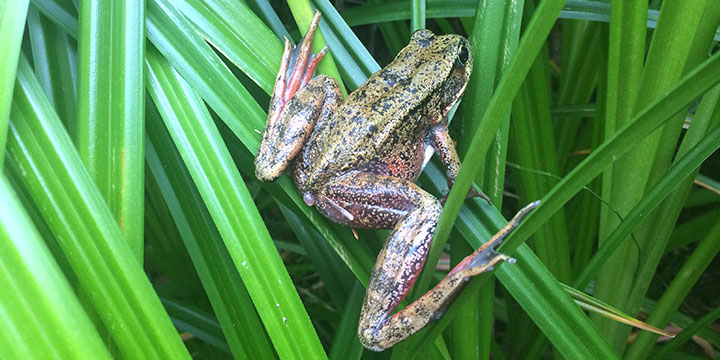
(41, 316)
(224, 22)
(174, 35)
(708, 115)
(703, 40)
(417, 21)
(675, 293)
(676, 176)
(533, 146)
(61, 12)
(494, 37)
(687, 333)
(511, 81)
(626, 55)
(233, 212)
(54, 56)
(681, 95)
(81, 221)
(228, 296)
(111, 114)
(12, 25)
(675, 34)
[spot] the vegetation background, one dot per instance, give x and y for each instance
(129, 208)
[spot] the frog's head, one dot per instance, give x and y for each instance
(443, 64)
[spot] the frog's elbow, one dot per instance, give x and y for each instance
(268, 171)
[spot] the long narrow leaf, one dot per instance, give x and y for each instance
(173, 35)
(41, 316)
(111, 114)
(54, 56)
(12, 25)
(223, 285)
(81, 221)
(235, 215)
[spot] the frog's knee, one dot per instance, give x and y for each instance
(370, 340)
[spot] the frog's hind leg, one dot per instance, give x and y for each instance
(283, 138)
(297, 103)
(371, 200)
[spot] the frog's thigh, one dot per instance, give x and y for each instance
(369, 199)
(285, 135)
(366, 200)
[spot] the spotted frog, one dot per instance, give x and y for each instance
(357, 160)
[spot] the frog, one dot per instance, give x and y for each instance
(356, 161)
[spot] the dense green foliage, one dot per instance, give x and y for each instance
(132, 225)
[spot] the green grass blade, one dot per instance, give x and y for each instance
(686, 334)
(81, 221)
(676, 175)
(533, 146)
(346, 345)
(396, 10)
(200, 324)
(651, 118)
(680, 286)
(513, 77)
(111, 113)
(683, 31)
(303, 14)
(12, 25)
(61, 12)
(41, 316)
(233, 211)
(232, 28)
(221, 281)
(626, 54)
(174, 35)
(54, 56)
(417, 21)
(494, 37)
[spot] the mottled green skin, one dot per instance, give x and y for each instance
(381, 127)
(356, 161)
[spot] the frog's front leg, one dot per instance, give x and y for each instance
(378, 201)
(445, 148)
(298, 103)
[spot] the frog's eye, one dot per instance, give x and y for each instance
(463, 55)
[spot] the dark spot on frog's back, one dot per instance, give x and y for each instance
(372, 129)
(357, 119)
(425, 42)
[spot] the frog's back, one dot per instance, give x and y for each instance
(380, 128)
(357, 139)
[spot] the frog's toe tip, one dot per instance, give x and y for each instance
(309, 199)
